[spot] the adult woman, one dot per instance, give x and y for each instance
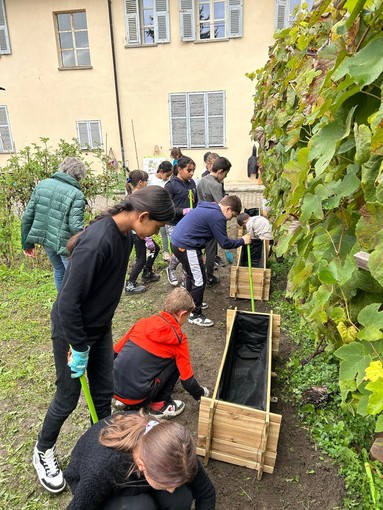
(55, 213)
(132, 461)
(82, 314)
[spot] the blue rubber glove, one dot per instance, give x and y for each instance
(78, 361)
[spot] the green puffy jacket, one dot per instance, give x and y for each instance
(54, 213)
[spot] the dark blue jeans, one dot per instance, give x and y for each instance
(100, 376)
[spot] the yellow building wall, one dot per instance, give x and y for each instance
(43, 101)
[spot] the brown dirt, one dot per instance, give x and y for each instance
(303, 477)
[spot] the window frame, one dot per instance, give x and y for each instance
(135, 27)
(4, 32)
(90, 142)
(6, 126)
(188, 119)
(284, 15)
(74, 47)
(189, 24)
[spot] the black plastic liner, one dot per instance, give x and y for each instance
(244, 376)
(256, 254)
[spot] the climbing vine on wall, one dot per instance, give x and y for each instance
(319, 119)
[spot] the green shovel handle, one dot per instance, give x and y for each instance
(250, 278)
(88, 398)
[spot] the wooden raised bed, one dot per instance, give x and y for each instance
(235, 425)
(240, 278)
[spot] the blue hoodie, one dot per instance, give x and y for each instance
(202, 224)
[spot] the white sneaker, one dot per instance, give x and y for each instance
(200, 320)
(172, 277)
(169, 410)
(204, 306)
(48, 470)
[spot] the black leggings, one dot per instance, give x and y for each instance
(180, 499)
(141, 260)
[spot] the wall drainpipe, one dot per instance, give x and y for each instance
(116, 85)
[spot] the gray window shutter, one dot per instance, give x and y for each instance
(235, 17)
(281, 12)
(6, 142)
(197, 120)
(83, 135)
(95, 134)
(216, 118)
(161, 21)
(5, 47)
(132, 22)
(187, 20)
(178, 120)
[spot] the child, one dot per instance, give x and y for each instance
(81, 316)
(210, 189)
(132, 461)
(259, 229)
(164, 172)
(183, 192)
(138, 179)
(189, 238)
(152, 355)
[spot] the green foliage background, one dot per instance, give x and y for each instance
(319, 97)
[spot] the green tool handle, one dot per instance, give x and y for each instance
(191, 199)
(250, 278)
(88, 398)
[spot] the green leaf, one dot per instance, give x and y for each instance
(355, 359)
(369, 226)
(311, 206)
(375, 402)
(372, 320)
(363, 143)
(375, 263)
(365, 66)
(379, 424)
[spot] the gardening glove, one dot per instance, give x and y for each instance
(206, 392)
(149, 243)
(78, 362)
(185, 211)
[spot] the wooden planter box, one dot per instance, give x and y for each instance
(235, 425)
(240, 277)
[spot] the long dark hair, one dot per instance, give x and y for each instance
(154, 199)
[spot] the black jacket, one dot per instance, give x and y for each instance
(179, 192)
(252, 163)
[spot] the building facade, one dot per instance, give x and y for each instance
(135, 76)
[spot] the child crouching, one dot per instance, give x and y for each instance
(151, 357)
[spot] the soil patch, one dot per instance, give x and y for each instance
(303, 477)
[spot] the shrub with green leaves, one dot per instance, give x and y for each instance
(319, 98)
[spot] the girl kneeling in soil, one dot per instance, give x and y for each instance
(82, 315)
(131, 461)
(151, 357)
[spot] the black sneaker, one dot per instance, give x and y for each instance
(169, 410)
(212, 281)
(219, 262)
(172, 277)
(48, 470)
(200, 320)
(133, 288)
(150, 276)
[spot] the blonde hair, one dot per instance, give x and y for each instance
(178, 300)
(167, 450)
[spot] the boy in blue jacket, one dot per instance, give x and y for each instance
(189, 238)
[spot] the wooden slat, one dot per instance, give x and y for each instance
(361, 260)
(240, 285)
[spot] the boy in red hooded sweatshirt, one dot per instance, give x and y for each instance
(151, 357)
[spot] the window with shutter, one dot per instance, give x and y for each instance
(5, 47)
(285, 11)
(6, 142)
(197, 119)
(214, 19)
(89, 134)
(147, 22)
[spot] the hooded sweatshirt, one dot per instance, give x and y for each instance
(146, 350)
(202, 224)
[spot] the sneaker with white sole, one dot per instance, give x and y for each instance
(204, 306)
(169, 410)
(172, 277)
(133, 288)
(48, 470)
(200, 320)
